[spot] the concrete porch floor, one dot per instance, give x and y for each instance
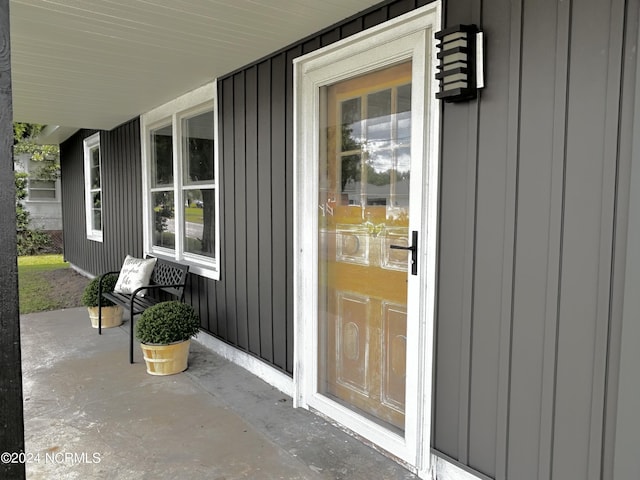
(89, 414)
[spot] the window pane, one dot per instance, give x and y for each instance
(404, 115)
(96, 211)
(351, 125)
(164, 227)
(95, 167)
(198, 148)
(400, 192)
(42, 184)
(96, 201)
(199, 222)
(378, 120)
(350, 174)
(162, 156)
(379, 177)
(42, 194)
(97, 219)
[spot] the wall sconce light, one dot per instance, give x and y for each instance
(461, 71)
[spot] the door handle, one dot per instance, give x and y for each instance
(413, 248)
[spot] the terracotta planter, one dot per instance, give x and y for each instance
(166, 359)
(111, 316)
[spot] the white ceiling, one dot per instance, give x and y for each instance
(99, 63)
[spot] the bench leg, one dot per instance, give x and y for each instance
(131, 339)
(99, 316)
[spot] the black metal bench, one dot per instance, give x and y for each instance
(167, 278)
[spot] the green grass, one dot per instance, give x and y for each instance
(41, 263)
(194, 214)
(35, 290)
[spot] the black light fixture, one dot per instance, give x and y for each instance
(461, 71)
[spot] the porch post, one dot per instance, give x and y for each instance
(11, 414)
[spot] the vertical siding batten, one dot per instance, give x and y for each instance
(241, 333)
(291, 54)
(226, 324)
(494, 218)
(253, 249)
(455, 261)
(509, 240)
(279, 209)
(265, 211)
(586, 186)
(623, 226)
(555, 242)
(468, 283)
(605, 259)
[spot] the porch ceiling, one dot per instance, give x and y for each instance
(98, 63)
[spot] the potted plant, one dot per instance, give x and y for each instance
(111, 313)
(165, 332)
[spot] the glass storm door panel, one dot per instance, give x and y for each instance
(365, 168)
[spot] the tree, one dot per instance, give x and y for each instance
(31, 241)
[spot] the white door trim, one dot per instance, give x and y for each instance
(407, 37)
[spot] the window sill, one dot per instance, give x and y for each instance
(95, 238)
(194, 267)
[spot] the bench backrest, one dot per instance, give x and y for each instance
(170, 273)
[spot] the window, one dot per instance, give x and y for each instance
(93, 187)
(40, 189)
(181, 181)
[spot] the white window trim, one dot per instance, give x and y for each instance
(89, 143)
(197, 101)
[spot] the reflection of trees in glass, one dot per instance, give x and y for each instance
(380, 179)
(200, 154)
(163, 210)
(200, 151)
(95, 168)
(163, 149)
(350, 168)
(349, 141)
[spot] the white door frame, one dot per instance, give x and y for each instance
(407, 37)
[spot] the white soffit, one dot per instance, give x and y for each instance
(99, 63)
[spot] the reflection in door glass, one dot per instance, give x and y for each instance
(364, 205)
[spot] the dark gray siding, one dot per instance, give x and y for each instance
(534, 204)
(254, 296)
(121, 199)
(532, 228)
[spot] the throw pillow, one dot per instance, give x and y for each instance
(135, 273)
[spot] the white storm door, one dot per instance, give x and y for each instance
(365, 221)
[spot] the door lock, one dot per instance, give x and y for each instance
(413, 248)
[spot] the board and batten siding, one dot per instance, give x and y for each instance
(533, 211)
(121, 199)
(251, 306)
(534, 198)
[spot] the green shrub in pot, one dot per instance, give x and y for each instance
(165, 332)
(166, 323)
(90, 295)
(111, 313)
